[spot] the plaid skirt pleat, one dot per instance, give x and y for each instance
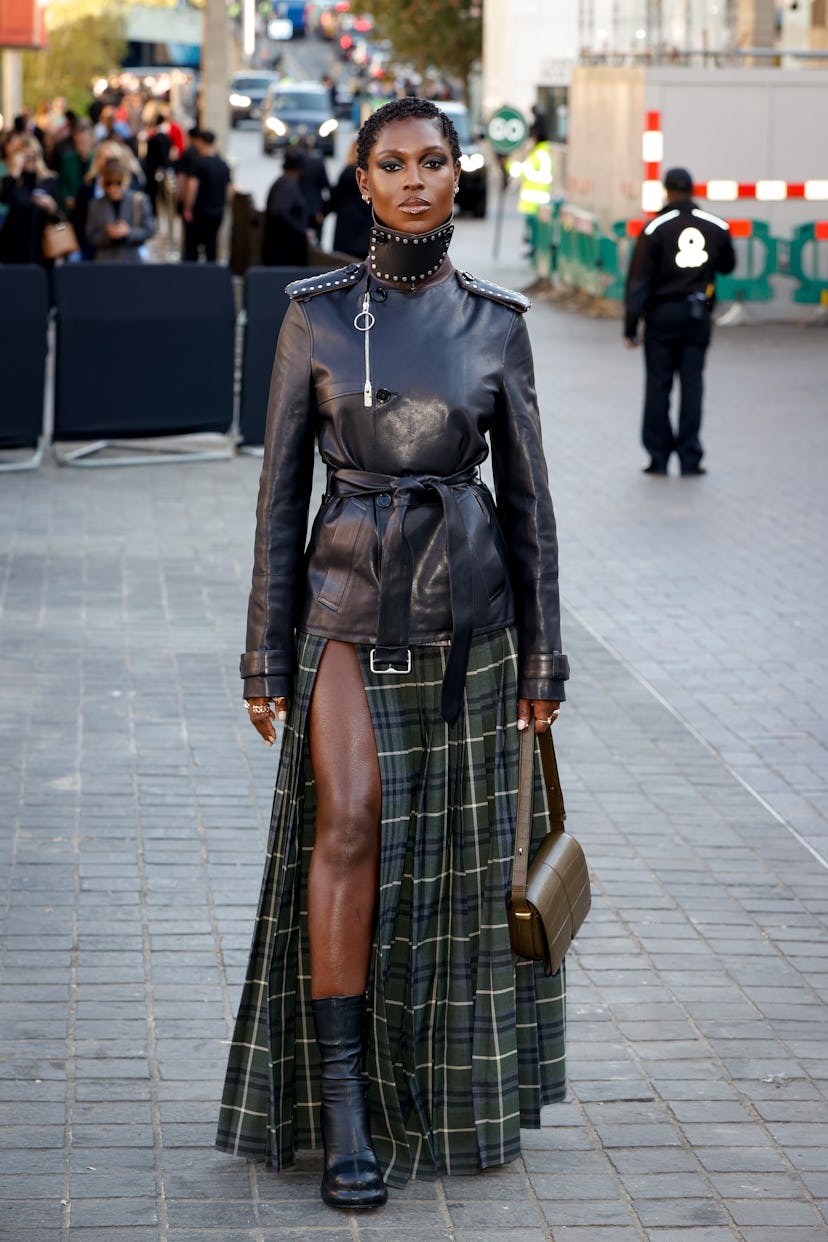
(465, 1043)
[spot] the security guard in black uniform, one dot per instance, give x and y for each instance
(671, 283)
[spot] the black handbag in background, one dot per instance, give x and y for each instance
(550, 896)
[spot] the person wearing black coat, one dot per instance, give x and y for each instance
(316, 188)
(672, 285)
(352, 233)
(285, 239)
(31, 195)
(404, 643)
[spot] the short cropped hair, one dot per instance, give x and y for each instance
(404, 109)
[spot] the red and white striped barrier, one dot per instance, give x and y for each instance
(769, 190)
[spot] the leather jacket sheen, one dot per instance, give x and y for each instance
(449, 365)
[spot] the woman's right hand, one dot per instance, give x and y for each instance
(262, 716)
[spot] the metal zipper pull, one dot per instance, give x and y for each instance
(364, 322)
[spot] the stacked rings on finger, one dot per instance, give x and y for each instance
(257, 709)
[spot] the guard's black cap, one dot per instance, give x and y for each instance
(678, 179)
(293, 159)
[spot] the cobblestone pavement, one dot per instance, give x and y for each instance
(135, 798)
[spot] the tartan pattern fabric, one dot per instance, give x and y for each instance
(465, 1044)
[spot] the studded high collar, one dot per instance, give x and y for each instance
(408, 259)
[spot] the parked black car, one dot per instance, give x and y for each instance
(473, 191)
(298, 110)
(247, 94)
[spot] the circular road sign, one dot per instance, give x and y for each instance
(506, 129)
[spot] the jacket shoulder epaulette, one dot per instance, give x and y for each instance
(325, 282)
(495, 293)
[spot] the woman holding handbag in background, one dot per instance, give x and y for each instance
(30, 193)
(405, 650)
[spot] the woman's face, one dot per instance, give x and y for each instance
(114, 185)
(411, 176)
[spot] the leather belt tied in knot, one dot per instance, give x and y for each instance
(392, 653)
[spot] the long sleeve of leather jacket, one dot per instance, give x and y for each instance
(267, 666)
(527, 519)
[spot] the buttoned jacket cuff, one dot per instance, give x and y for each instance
(278, 686)
(267, 673)
(543, 676)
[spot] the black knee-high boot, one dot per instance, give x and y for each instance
(352, 1176)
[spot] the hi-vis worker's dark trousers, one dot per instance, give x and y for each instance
(674, 342)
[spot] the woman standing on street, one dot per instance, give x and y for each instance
(404, 650)
(30, 193)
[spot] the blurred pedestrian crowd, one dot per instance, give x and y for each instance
(110, 174)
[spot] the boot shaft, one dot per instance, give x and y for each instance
(340, 1036)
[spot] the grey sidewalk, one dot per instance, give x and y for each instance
(136, 795)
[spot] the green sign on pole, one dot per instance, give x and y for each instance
(506, 129)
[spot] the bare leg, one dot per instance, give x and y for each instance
(344, 871)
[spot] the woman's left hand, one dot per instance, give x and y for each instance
(545, 712)
(47, 204)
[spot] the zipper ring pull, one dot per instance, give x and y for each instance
(365, 315)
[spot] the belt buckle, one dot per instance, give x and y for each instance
(389, 668)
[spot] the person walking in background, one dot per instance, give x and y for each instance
(285, 239)
(537, 173)
(160, 155)
(74, 165)
(119, 224)
(671, 284)
(405, 648)
(185, 167)
(91, 187)
(30, 193)
(352, 234)
(208, 188)
(315, 187)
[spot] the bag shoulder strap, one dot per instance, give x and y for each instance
(554, 793)
(526, 782)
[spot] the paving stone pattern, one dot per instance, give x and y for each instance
(136, 797)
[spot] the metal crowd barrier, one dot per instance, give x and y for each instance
(809, 262)
(160, 342)
(24, 326)
(265, 303)
(587, 260)
(167, 349)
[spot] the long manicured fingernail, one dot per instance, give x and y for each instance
(521, 724)
(281, 715)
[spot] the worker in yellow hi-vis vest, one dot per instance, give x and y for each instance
(536, 172)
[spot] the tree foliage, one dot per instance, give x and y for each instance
(76, 54)
(85, 42)
(446, 35)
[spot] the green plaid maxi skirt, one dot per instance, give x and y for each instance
(465, 1043)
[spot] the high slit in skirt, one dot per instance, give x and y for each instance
(465, 1043)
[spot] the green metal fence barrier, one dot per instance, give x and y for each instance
(809, 262)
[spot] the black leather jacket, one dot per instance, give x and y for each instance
(408, 547)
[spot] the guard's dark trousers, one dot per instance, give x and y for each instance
(674, 341)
